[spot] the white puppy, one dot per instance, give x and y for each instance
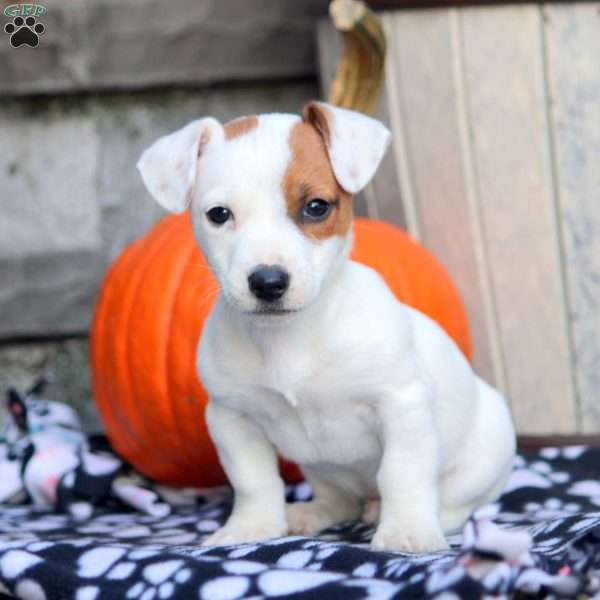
(308, 354)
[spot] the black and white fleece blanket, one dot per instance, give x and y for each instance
(542, 539)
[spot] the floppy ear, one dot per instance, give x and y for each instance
(168, 167)
(355, 143)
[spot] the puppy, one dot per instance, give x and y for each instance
(308, 354)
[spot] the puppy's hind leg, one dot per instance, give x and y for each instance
(485, 462)
(330, 505)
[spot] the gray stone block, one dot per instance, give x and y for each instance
(49, 293)
(134, 44)
(47, 162)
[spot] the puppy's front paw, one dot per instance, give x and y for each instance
(307, 518)
(408, 539)
(238, 533)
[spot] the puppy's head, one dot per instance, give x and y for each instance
(270, 197)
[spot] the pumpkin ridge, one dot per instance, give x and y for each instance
(160, 291)
(95, 352)
(104, 382)
(168, 371)
(133, 445)
(155, 242)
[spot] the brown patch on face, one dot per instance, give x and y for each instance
(238, 127)
(309, 176)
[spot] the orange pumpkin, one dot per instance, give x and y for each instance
(148, 320)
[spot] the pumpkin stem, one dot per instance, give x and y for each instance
(359, 72)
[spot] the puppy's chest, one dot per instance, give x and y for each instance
(311, 413)
(311, 433)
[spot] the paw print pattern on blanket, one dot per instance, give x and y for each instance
(537, 473)
(160, 580)
(552, 508)
(534, 541)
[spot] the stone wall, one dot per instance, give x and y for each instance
(137, 44)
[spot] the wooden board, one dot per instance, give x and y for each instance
(428, 113)
(572, 40)
(505, 89)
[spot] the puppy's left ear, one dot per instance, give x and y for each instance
(355, 143)
(168, 167)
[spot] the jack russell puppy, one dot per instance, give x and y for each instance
(309, 354)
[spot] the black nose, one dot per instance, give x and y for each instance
(268, 283)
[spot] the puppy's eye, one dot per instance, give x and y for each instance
(316, 209)
(219, 215)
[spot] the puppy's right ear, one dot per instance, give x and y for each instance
(168, 167)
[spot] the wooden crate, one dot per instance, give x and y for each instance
(495, 167)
